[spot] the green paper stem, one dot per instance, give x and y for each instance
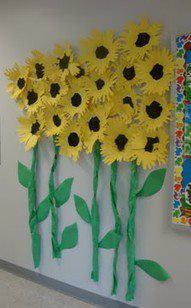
(56, 252)
(118, 224)
(131, 233)
(33, 221)
(95, 214)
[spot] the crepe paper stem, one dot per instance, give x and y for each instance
(118, 224)
(54, 227)
(33, 221)
(95, 214)
(131, 232)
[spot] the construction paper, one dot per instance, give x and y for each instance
(110, 240)
(82, 209)
(153, 183)
(69, 237)
(63, 192)
(153, 269)
(43, 209)
(23, 175)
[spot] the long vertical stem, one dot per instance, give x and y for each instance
(118, 224)
(95, 214)
(54, 227)
(131, 233)
(33, 222)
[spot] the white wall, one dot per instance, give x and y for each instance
(40, 24)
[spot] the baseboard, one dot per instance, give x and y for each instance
(62, 287)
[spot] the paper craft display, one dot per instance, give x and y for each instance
(182, 169)
(109, 99)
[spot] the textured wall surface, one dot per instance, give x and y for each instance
(26, 25)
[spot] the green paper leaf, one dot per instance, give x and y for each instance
(23, 175)
(153, 269)
(153, 183)
(110, 240)
(43, 209)
(69, 237)
(82, 209)
(62, 193)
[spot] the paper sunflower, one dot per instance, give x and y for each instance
(54, 121)
(140, 39)
(30, 130)
(39, 65)
(64, 62)
(116, 143)
(100, 87)
(126, 73)
(70, 140)
(75, 102)
(93, 126)
(83, 69)
(18, 77)
(100, 50)
(124, 104)
(154, 111)
(149, 148)
(31, 99)
(156, 71)
(55, 89)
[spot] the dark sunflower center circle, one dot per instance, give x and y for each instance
(129, 73)
(32, 97)
(76, 100)
(35, 128)
(154, 110)
(94, 124)
(127, 100)
(54, 89)
(143, 39)
(149, 147)
(121, 142)
(21, 83)
(39, 70)
(73, 139)
(100, 83)
(101, 52)
(157, 71)
(56, 120)
(64, 62)
(81, 72)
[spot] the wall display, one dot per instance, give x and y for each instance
(109, 99)
(182, 169)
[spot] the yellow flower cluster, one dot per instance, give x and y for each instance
(112, 91)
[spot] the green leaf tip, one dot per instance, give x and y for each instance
(153, 183)
(153, 269)
(69, 237)
(110, 240)
(63, 192)
(43, 209)
(82, 209)
(23, 175)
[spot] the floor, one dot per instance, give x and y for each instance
(16, 292)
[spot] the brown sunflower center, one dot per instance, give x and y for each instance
(32, 97)
(129, 73)
(76, 100)
(154, 110)
(35, 127)
(157, 71)
(73, 139)
(39, 70)
(143, 39)
(127, 100)
(100, 83)
(64, 62)
(81, 72)
(21, 83)
(94, 124)
(121, 142)
(101, 52)
(54, 89)
(150, 144)
(56, 120)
